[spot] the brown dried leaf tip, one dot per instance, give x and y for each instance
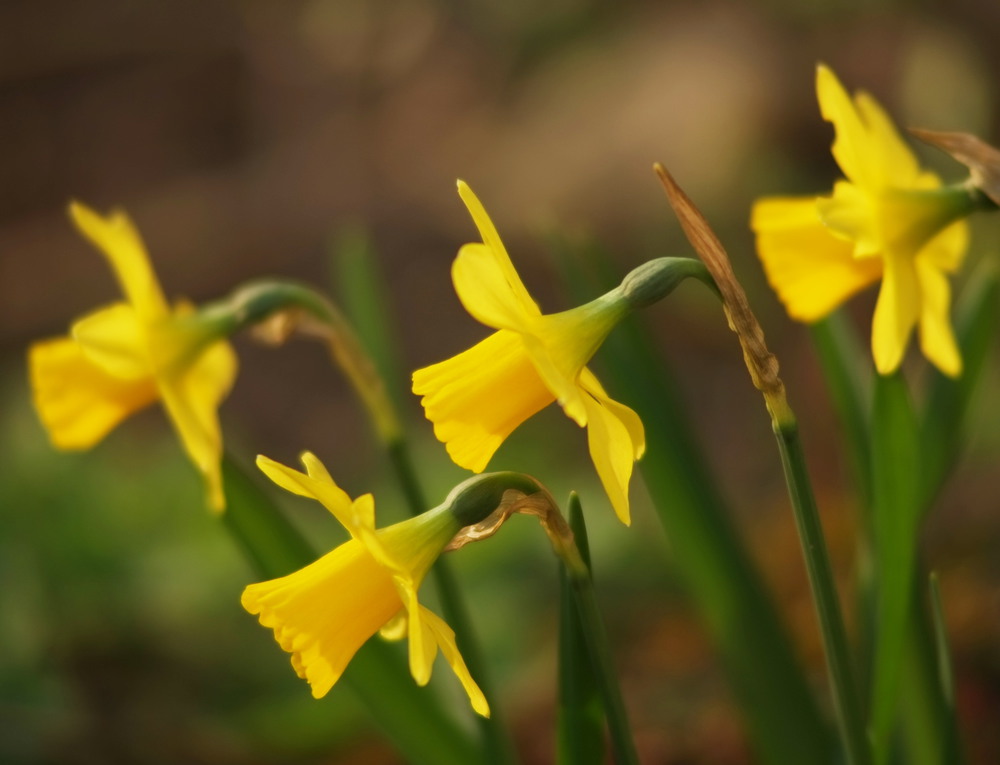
(982, 159)
(761, 363)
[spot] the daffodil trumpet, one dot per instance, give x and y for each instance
(888, 221)
(477, 398)
(323, 613)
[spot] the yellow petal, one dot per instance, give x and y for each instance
(895, 163)
(937, 339)
(423, 647)
(397, 627)
(78, 402)
(314, 468)
(498, 252)
(324, 490)
(811, 270)
(947, 250)
(444, 637)
(192, 399)
(323, 613)
(896, 313)
(851, 147)
(482, 285)
(616, 439)
(852, 214)
(119, 241)
(477, 398)
(115, 339)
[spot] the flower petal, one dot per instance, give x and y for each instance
(444, 637)
(937, 338)
(324, 490)
(115, 339)
(509, 283)
(850, 214)
(192, 399)
(477, 398)
(812, 271)
(851, 147)
(423, 648)
(947, 250)
(483, 285)
(118, 239)
(896, 312)
(77, 401)
(894, 162)
(616, 439)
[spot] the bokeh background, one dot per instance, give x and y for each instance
(261, 138)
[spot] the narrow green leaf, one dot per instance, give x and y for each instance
(580, 725)
(783, 720)
(896, 513)
(360, 289)
(946, 675)
(412, 717)
(948, 399)
(843, 362)
(847, 372)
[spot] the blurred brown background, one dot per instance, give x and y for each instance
(246, 138)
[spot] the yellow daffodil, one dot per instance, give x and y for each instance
(125, 356)
(888, 220)
(477, 398)
(323, 613)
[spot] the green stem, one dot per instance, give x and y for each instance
(580, 724)
(841, 357)
(499, 747)
(596, 637)
(845, 694)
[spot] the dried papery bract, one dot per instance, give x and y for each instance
(539, 504)
(761, 363)
(982, 159)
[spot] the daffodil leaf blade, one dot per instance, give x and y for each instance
(844, 364)
(896, 512)
(580, 723)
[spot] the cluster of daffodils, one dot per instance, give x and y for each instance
(889, 221)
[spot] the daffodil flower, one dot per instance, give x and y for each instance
(323, 613)
(125, 356)
(477, 398)
(888, 220)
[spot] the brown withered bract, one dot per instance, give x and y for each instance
(761, 363)
(982, 159)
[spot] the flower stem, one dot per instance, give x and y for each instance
(581, 722)
(845, 694)
(499, 747)
(596, 638)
